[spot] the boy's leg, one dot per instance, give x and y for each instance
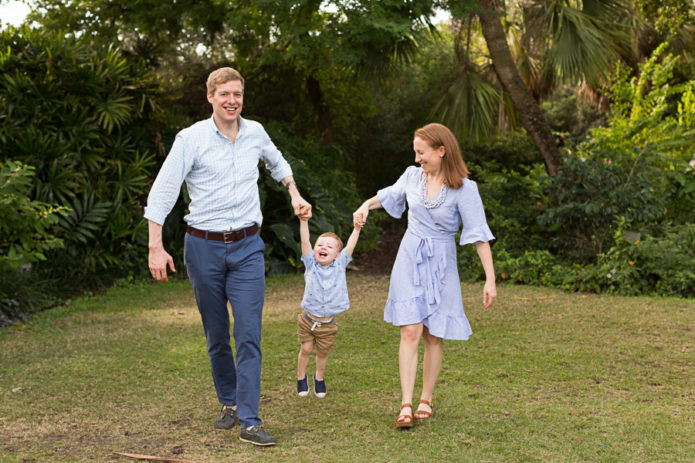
(304, 356)
(321, 361)
(325, 340)
(306, 342)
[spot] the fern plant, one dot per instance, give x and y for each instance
(87, 120)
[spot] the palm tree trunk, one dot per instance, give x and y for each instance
(526, 106)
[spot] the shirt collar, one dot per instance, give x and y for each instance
(213, 126)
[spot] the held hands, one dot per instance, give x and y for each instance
(359, 217)
(158, 260)
(302, 209)
(489, 293)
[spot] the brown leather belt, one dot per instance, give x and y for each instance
(227, 237)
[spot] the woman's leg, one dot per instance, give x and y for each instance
(431, 364)
(407, 362)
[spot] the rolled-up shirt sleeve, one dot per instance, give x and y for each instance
(470, 207)
(167, 186)
(274, 161)
(393, 198)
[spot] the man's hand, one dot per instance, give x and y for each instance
(302, 209)
(158, 261)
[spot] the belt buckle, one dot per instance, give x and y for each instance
(229, 237)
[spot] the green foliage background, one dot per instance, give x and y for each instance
(85, 121)
(92, 97)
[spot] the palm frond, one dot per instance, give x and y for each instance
(581, 46)
(84, 220)
(469, 107)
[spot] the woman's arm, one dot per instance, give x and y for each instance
(359, 217)
(490, 288)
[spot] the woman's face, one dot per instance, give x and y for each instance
(430, 159)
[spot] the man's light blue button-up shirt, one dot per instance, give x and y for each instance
(221, 176)
(325, 290)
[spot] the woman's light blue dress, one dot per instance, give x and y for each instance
(425, 285)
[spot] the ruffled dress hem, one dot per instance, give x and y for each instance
(409, 312)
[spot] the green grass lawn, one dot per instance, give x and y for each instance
(547, 376)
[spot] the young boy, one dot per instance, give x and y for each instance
(325, 296)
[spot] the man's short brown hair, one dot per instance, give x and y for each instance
(222, 75)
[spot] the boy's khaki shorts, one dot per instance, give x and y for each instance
(323, 336)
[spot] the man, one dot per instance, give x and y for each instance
(223, 253)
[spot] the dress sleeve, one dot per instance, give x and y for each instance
(393, 198)
(470, 208)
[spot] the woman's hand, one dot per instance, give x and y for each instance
(359, 217)
(489, 293)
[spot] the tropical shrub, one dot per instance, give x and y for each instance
(652, 265)
(662, 263)
(86, 119)
(680, 199)
(330, 190)
(571, 115)
(25, 238)
(25, 228)
(589, 192)
(650, 110)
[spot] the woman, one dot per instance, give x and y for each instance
(425, 292)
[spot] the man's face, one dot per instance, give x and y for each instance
(227, 102)
(326, 250)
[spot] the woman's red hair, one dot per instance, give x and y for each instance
(453, 166)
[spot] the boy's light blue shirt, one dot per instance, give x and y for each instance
(221, 176)
(325, 289)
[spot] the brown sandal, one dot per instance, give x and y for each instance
(404, 420)
(424, 414)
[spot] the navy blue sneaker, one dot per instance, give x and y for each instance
(319, 387)
(227, 418)
(303, 387)
(256, 435)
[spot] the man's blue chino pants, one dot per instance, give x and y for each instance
(234, 272)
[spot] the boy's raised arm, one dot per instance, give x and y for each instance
(304, 236)
(352, 241)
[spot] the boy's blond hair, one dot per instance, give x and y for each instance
(335, 237)
(221, 76)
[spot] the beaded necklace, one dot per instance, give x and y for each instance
(437, 200)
